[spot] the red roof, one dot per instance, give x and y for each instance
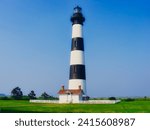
(70, 91)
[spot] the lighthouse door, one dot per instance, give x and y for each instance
(69, 98)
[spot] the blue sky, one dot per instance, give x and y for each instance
(35, 41)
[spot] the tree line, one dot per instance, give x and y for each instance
(17, 94)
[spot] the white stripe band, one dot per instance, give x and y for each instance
(77, 30)
(77, 57)
(75, 83)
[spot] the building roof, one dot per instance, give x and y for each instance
(71, 91)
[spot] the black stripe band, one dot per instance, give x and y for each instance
(77, 18)
(77, 44)
(77, 72)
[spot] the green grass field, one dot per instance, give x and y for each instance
(20, 106)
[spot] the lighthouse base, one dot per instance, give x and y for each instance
(71, 95)
(70, 98)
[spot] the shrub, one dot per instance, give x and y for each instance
(16, 93)
(25, 97)
(112, 98)
(32, 95)
(4, 98)
(129, 99)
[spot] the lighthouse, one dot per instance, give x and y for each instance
(76, 91)
(77, 76)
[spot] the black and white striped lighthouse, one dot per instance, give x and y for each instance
(77, 76)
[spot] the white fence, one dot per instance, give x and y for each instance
(100, 102)
(81, 102)
(44, 101)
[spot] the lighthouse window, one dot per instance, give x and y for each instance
(76, 44)
(74, 69)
